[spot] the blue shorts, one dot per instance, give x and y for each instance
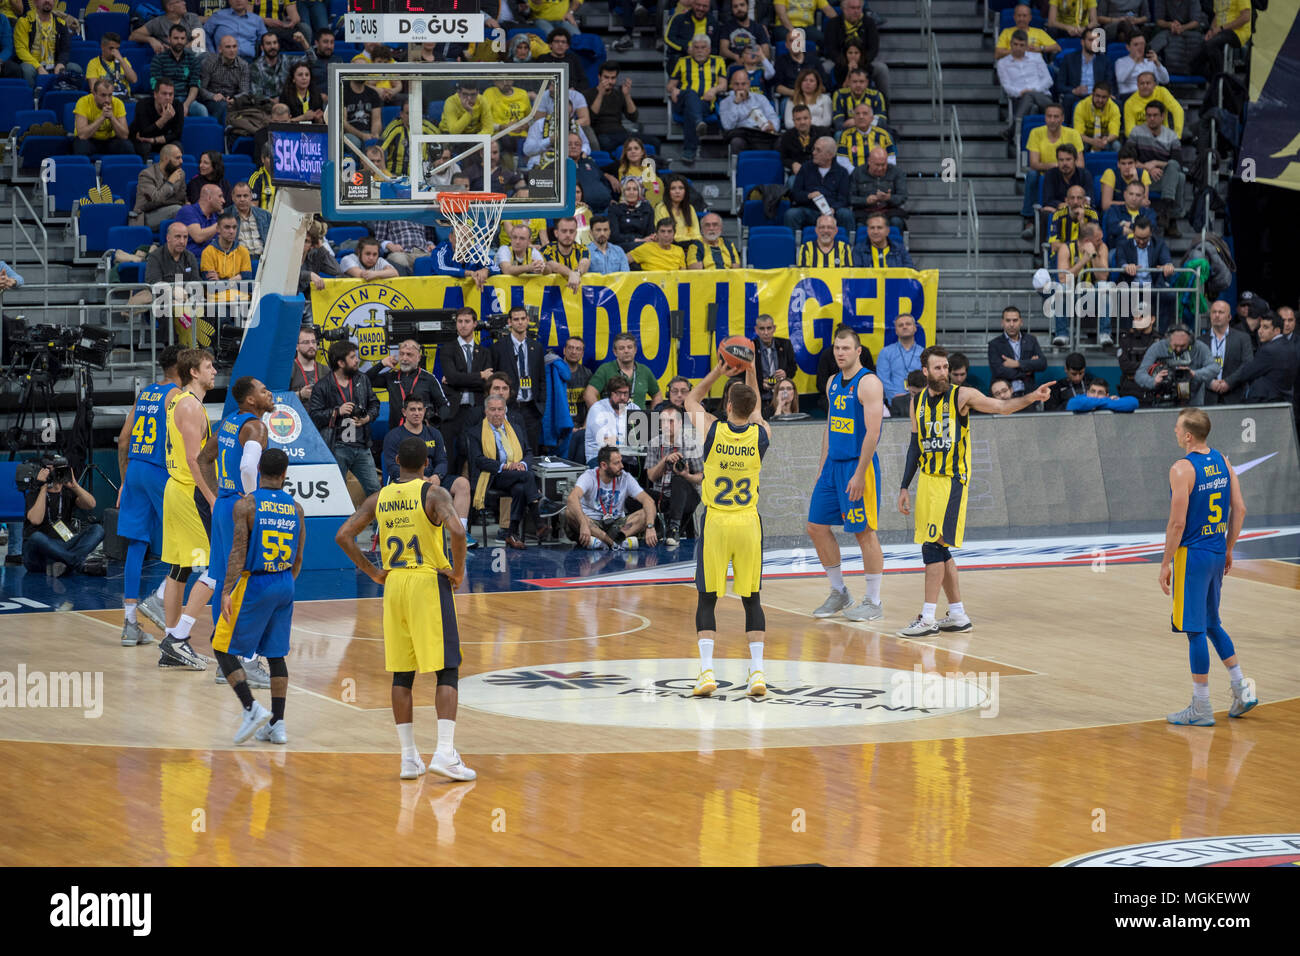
(222, 537)
(1197, 580)
(261, 615)
(830, 503)
(141, 511)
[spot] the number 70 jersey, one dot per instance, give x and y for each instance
(733, 458)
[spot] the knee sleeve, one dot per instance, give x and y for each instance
(449, 677)
(754, 618)
(404, 679)
(180, 574)
(1198, 654)
(932, 553)
(228, 663)
(276, 667)
(207, 581)
(704, 618)
(1222, 642)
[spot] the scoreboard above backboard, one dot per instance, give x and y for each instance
(415, 7)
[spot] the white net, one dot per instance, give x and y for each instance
(474, 218)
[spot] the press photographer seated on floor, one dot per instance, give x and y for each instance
(49, 541)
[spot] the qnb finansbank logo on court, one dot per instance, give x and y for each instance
(1256, 849)
(656, 693)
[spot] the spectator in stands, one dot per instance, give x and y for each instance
(1068, 220)
(1121, 217)
(1129, 172)
(551, 15)
(826, 251)
(1080, 264)
(1014, 356)
(342, 406)
(239, 21)
(1082, 69)
(877, 187)
(305, 102)
(170, 263)
(48, 541)
(200, 218)
(157, 31)
(323, 45)
(318, 263)
(879, 251)
(810, 91)
(270, 71)
(1122, 19)
(1097, 398)
(739, 32)
(1143, 260)
(595, 514)
(366, 263)
(363, 111)
(773, 357)
(1148, 92)
(226, 260)
(1158, 148)
(857, 90)
(748, 119)
(1097, 120)
(1068, 174)
(791, 63)
(561, 52)
(212, 170)
(283, 18)
(959, 371)
(696, 85)
(662, 254)
(784, 404)
(463, 111)
(1230, 26)
(224, 76)
(157, 121)
(521, 357)
(674, 473)
(179, 64)
(642, 382)
(1075, 383)
(260, 180)
(520, 257)
(112, 65)
(759, 69)
(607, 418)
(635, 161)
(466, 377)
(1071, 17)
(43, 42)
(100, 122)
(1000, 390)
(796, 144)
(853, 26)
(696, 20)
(307, 368)
(820, 183)
(1139, 60)
(401, 242)
(611, 104)
(1181, 35)
(632, 221)
(863, 135)
(1041, 147)
(713, 251)
(9, 278)
(678, 388)
(802, 14)
(676, 205)
(899, 357)
(1038, 41)
(1177, 349)
(900, 406)
(160, 189)
(606, 257)
(579, 376)
(1025, 79)
(404, 376)
(595, 185)
(564, 255)
(1231, 349)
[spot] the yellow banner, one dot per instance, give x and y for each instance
(658, 307)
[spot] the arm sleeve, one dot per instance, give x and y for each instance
(913, 460)
(248, 462)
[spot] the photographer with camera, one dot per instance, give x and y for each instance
(403, 375)
(342, 407)
(49, 542)
(1176, 369)
(674, 472)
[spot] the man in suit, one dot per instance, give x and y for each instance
(774, 358)
(1080, 70)
(521, 358)
(1270, 375)
(1231, 349)
(1143, 259)
(504, 462)
(1014, 356)
(466, 368)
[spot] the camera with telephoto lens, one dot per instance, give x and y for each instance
(26, 474)
(680, 466)
(341, 334)
(1176, 388)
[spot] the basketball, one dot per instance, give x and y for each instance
(737, 351)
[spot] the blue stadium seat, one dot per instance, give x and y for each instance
(770, 247)
(120, 179)
(755, 168)
(129, 109)
(132, 272)
(1069, 45)
(1096, 164)
(1116, 52)
(37, 148)
(337, 8)
(97, 24)
(1028, 124)
(590, 49)
(66, 183)
(346, 234)
(1185, 79)
(191, 167)
(81, 52)
(842, 234)
(25, 119)
(110, 160)
(391, 113)
(68, 118)
(140, 59)
(92, 225)
(129, 238)
(238, 168)
(511, 34)
(752, 213)
(12, 102)
(243, 146)
(601, 158)
(435, 109)
(422, 266)
(1007, 18)
(198, 138)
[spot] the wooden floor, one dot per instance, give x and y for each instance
(1081, 666)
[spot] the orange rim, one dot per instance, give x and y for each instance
(458, 202)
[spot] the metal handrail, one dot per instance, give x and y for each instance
(925, 11)
(972, 223)
(934, 75)
(42, 257)
(957, 151)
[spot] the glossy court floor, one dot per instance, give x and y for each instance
(1037, 737)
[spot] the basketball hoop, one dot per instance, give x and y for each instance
(474, 218)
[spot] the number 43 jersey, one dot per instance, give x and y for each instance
(277, 532)
(408, 540)
(733, 458)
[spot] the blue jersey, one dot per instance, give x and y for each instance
(848, 427)
(229, 453)
(1208, 504)
(149, 429)
(277, 532)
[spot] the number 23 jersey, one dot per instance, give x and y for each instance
(733, 458)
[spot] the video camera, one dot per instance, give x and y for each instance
(25, 474)
(53, 351)
(1176, 388)
(497, 324)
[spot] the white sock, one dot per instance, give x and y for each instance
(406, 736)
(873, 587)
(182, 630)
(162, 586)
(956, 610)
(464, 523)
(756, 656)
(837, 578)
(706, 654)
(1201, 691)
(927, 613)
(1234, 674)
(130, 615)
(446, 737)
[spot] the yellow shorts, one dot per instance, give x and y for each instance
(729, 538)
(420, 631)
(184, 538)
(940, 510)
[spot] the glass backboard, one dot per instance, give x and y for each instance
(482, 127)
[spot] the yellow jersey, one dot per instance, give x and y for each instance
(178, 467)
(944, 435)
(733, 458)
(504, 109)
(409, 541)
